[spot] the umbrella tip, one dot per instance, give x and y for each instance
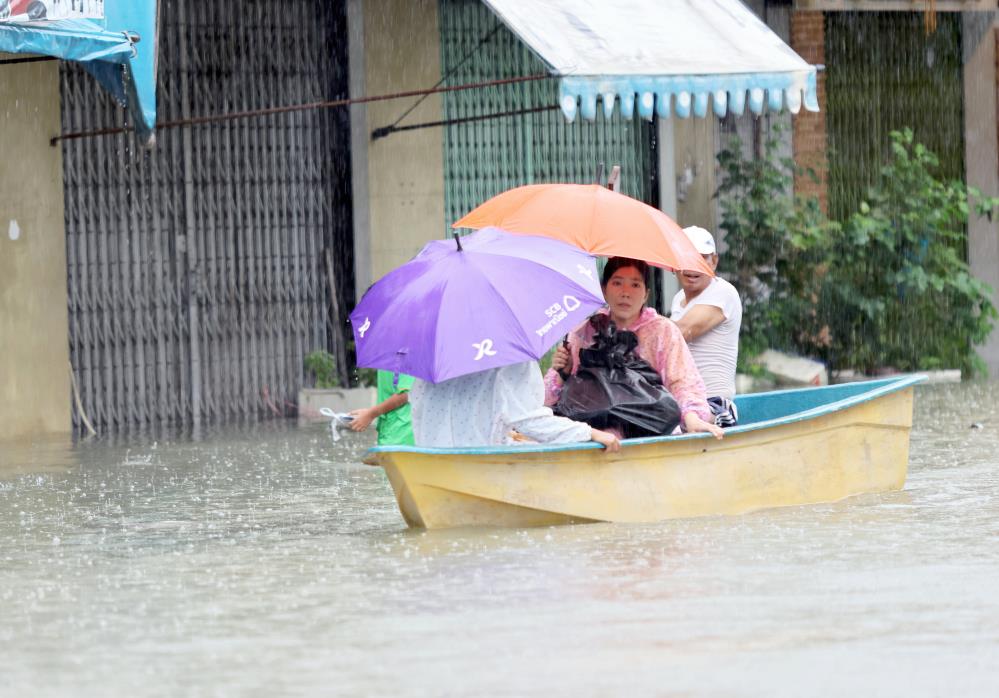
(457, 239)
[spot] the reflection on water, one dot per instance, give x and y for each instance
(266, 561)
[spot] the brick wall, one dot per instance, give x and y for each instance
(809, 128)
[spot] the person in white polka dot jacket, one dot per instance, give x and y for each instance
(498, 406)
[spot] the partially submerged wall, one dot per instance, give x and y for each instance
(399, 179)
(34, 345)
(981, 92)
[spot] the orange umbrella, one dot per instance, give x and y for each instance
(593, 218)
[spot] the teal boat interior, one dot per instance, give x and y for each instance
(756, 411)
(781, 405)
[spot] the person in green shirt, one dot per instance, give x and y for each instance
(395, 426)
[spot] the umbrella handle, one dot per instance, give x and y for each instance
(566, 374)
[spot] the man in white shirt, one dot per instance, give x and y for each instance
(708, 312)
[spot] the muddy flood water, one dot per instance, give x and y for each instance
(264, 561)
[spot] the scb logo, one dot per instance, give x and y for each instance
(569, 303)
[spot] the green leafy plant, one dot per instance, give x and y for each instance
(906, 298)
(322, 365)
(363, 377)
(886, 287)
(366, 377)
(776, 247)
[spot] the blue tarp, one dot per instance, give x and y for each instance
(107, 49)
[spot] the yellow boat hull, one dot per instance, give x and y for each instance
(825, 457)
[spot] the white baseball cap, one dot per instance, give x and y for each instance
(704, 242)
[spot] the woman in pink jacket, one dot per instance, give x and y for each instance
(660, 343)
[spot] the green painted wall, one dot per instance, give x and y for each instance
(485, 157)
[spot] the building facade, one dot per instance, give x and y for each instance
(184, 285)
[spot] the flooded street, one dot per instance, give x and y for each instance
(264, 561)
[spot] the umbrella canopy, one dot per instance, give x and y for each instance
(594, 219)
(486, 300)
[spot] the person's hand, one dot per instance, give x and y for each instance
(606, 439)
(561, 361)
(695, 424)
(362, 419)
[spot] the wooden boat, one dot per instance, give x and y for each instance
(791, 447)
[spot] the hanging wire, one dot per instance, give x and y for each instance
(30, 59)
(385, 130)
(215, 118)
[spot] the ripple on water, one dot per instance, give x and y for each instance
(265, 558)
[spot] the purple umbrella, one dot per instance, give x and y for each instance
(485, 300)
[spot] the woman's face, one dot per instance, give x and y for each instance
(625, 294)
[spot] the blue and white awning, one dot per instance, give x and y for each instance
(119, 49)
(662, 56)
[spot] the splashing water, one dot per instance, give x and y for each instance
(269, 560)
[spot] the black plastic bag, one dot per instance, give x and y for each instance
(615, 388)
